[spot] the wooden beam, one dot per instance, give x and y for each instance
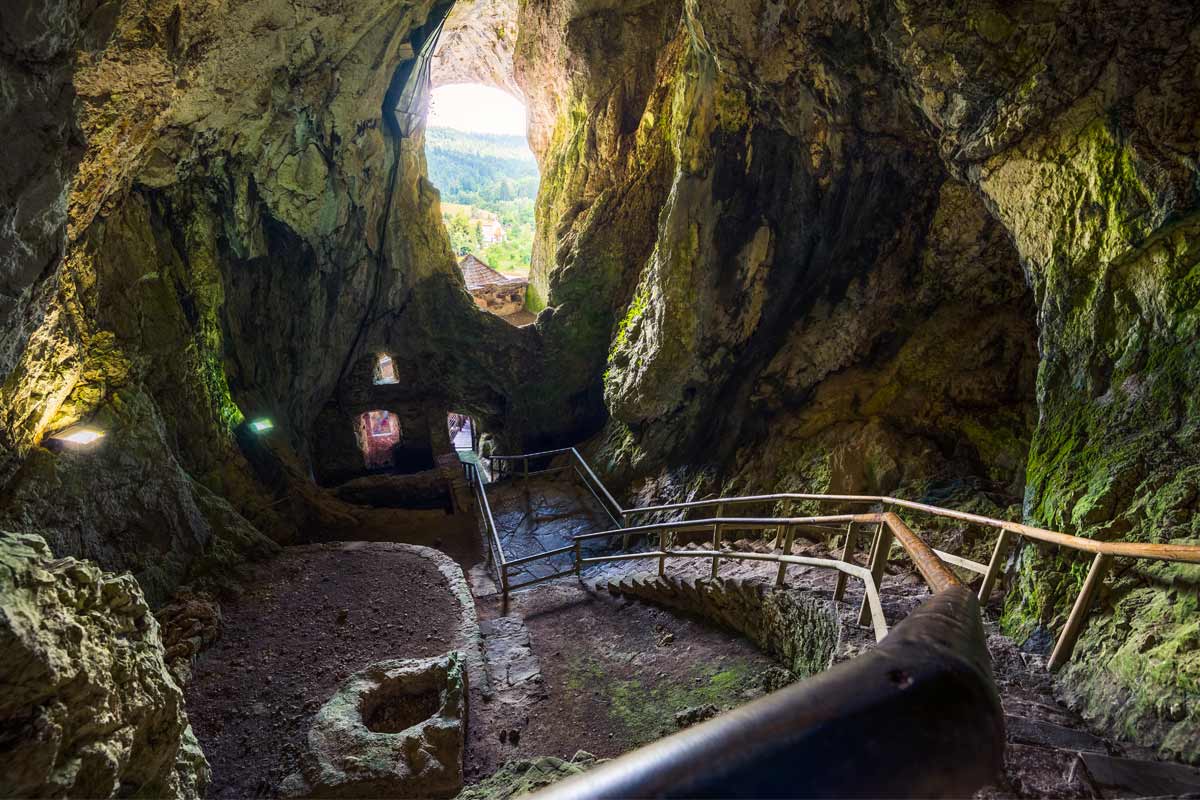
(965, 563)
(878, 560)
(839, 588)
(787, 549)
(999, 552)
(1070, 632)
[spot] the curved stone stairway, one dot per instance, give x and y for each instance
(1050, 752)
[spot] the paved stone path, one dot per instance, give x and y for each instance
(541, 514)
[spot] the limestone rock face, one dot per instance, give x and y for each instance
(395, 729)
(89, 707)
(525, 776)
(942, 249)
(477, 45)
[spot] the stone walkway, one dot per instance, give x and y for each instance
(541, 514)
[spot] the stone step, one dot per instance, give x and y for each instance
(1126, 777)
(508, 656)
(1024, 730)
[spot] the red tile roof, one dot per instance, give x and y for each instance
(479, 274)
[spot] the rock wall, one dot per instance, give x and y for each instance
(218, 219)
(943, 249)
(800, 630)
(89, 707)
(940, 249)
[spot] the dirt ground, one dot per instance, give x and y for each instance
(311, 618)
(617, 672)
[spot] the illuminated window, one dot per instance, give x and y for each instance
(378, 434)
(385, 370)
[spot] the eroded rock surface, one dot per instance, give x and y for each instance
(945, 250)
(395, 729)
(525, 776)
(89, 707)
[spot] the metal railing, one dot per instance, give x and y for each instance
(917, 716)
(889, 527)
(504, 467)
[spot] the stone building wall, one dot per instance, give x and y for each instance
(501, 299)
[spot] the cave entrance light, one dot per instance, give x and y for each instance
(462, 432)
(479, 158)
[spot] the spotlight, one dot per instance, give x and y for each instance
(261, 425)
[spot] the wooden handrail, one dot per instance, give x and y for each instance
(732, 522)
(932, 568)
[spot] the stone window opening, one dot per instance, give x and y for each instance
(385, 370)
(378, 434)
(462, 432)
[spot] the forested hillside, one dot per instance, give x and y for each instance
(485, 176)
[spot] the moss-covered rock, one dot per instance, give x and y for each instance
(525, 776)
(89, 705)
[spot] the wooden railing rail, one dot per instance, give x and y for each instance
(932, 564)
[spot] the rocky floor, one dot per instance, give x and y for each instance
(312, 617)
(1050, 753)
(569, 667)
(573, 669)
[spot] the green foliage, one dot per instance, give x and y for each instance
(480, 169)
(485, 175)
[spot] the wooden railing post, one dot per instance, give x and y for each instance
(878, 560)
(716, 543)
(994, 566)
(664, 538)
(578, 557)
(839, 587)
(526, 462)
(787, 550)
(1070, 632)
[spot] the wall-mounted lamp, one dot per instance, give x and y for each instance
(261, 425)
(76, 436)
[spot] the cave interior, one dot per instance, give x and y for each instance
(857, 377)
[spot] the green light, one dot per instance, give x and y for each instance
(261, 425)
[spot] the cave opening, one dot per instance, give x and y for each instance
(378, 434)
(462, 432)
(385, 371)
(479, 158)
